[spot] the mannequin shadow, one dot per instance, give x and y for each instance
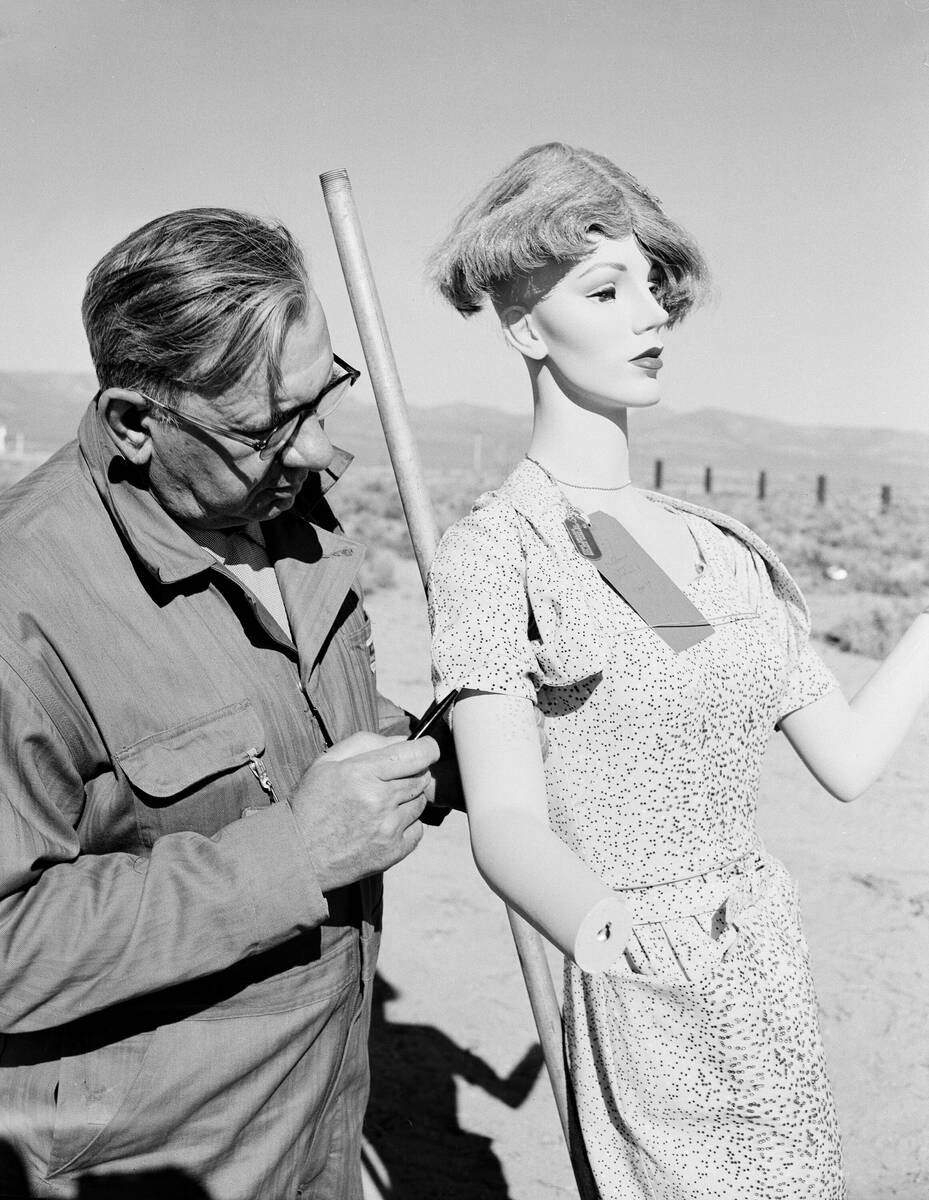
(412, 1121)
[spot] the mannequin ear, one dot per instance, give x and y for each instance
(521, 333)
(126, 418)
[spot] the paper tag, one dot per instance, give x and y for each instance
(633, 574)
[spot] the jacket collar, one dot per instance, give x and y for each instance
(153, 536)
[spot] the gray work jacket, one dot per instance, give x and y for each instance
(169, 964)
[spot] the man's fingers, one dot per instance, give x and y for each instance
(403, 759)
(355, 744)
(407, 790)
(413, 809)
(411, 837)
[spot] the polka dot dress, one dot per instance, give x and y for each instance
(697, 1061)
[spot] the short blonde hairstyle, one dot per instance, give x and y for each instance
(540, 212)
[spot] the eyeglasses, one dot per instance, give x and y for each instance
(322, 406)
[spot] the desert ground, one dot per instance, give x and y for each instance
(461, 1106)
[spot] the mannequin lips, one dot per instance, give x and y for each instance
(650, 359)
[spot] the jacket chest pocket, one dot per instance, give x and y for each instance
(198, 776)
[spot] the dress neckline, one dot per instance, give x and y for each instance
(702, 554)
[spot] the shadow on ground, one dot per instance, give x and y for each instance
(412, 1121)
(420, 1151)
(154, 1185)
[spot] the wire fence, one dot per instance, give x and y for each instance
(821, 489)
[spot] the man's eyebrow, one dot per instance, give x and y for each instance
(283, 417)
(263, 430)
(269, 427)
(617, 266)
(302, 404)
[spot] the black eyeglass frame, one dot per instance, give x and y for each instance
(271, 443)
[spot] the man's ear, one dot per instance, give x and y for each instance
(520, 331)
(126, 418)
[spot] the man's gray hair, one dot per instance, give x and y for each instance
(192, 301)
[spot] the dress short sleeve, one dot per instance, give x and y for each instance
(479, 610)
(768, 588)
(809, 680)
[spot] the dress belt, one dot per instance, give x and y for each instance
(738, 883)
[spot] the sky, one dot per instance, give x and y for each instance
(791, 138)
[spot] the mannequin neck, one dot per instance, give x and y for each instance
(576, 444)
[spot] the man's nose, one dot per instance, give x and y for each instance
(309, 448)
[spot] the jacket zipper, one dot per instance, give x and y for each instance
(256, 767)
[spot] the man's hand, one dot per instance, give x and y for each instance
(358, 806)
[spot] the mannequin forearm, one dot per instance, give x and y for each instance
(532, 869)
(847, 745)
(517, 853)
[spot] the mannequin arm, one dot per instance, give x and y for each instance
(526, 864)
(847, 745)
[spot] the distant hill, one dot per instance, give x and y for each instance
(732, 444)
(46, 409)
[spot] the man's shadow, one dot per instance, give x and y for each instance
(412, 1120)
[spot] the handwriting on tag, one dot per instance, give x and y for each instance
(633, 574)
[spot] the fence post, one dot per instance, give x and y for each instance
(885, 497)
(762, 484)
(708, 480)
(659, 473)
(820, 489)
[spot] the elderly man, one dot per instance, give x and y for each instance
(197, 789)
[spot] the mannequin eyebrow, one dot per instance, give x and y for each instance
(597, 266)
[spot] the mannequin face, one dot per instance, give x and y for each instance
(597, 333)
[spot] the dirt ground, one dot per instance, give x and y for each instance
(461, 1107)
